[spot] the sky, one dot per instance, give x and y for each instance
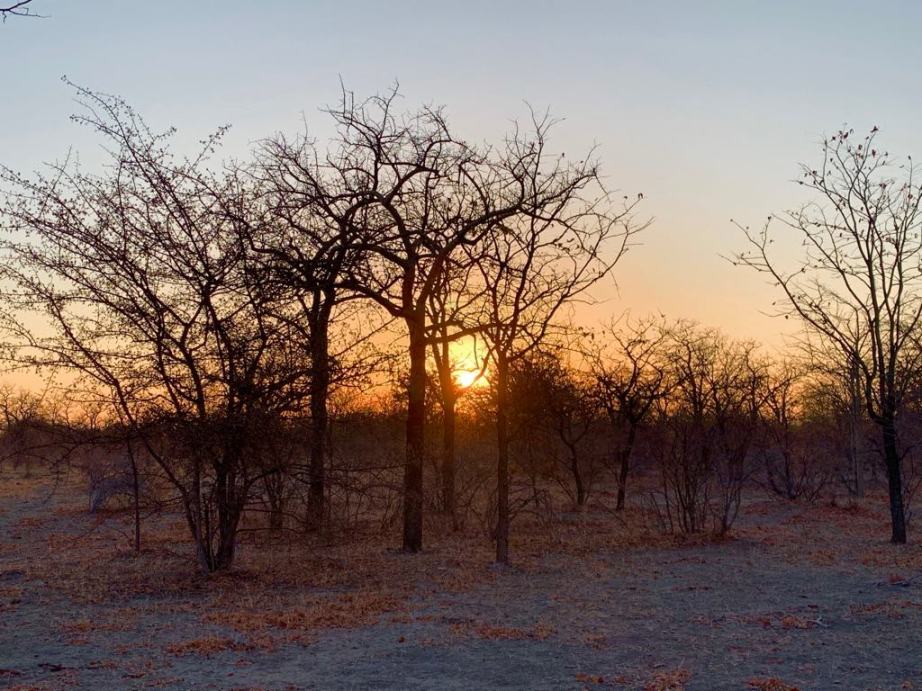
(706, 108)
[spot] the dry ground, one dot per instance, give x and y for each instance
(801, 596)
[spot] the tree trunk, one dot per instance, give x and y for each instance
(416, 428)
(276, 518)
(275, 493)
(228, 504)
(894, 480)
(625, 466)
(197, 519)
(502, 465)
(854, 419)
(216, 557)
(227, 542)
(441, 353)
(320, 421)
(448, 454)
(135, 498)
(578, 480)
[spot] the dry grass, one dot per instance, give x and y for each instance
(840, 535)
(892, 608)
(281, 590)
(539, 632)
(771, 684)
(287, 590)
(670, 680)
(207, 646)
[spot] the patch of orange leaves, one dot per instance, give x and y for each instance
(670, 680)
(770, 684)
(539, 632)
(207, 646)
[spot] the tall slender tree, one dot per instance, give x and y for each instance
(566, 236)
(447, 307)
(858, 283)
(305, 252)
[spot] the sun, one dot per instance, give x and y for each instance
(468, 378)
(467, 361)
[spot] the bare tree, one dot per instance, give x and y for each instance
(377, 186)
(626, 362)
(557, 403)
(447, 305)
(137, 283)
(306, 251)
(706, 426)
(565, 237)
(859, 282)
(412, 197)
(786, 441)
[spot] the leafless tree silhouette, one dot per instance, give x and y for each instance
(706, 426)
(306, 252)
(859, 283)
(565, 236)
(626, 361)
(145, 292)
(449, 302)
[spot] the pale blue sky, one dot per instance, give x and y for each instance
(705, 107)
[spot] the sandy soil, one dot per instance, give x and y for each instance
(805, 597)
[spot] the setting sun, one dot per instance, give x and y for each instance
(468, 378)
(467, 358)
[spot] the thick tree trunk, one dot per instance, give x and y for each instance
(625, 467)
(227, 541)
(320, 421)
(416, 427)
(894, 481)
(276, 518)
(502, 465)
(228, 514)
